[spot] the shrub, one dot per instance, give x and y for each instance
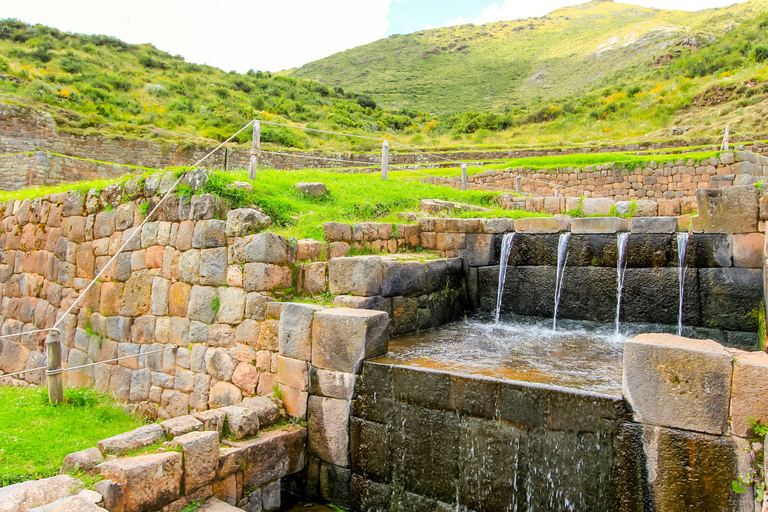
(760, 53)
(366, 102)
(5, 65)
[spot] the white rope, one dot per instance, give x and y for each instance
(28, 332)
(63, 370)
(360, 164)
(323, 131)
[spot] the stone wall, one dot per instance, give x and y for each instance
(426, 440)
(672, 180)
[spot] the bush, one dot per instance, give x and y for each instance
(5, 65)
(366, 102)
(760, 53)
(71, 64)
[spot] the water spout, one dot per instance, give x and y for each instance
(562, 261)
(506, 247)
(682, 247)
(621, 267)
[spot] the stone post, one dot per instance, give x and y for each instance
(384, 159)
(518, 183)
(254, 164)
(463, 176)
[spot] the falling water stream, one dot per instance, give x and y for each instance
(682, 247)
(562, 261)
(621, 267)
(506, 247)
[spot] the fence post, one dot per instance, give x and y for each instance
(463, 176)
(253, 168)
(384, 159)
(55, 387)
(557, 190)
(518, 183)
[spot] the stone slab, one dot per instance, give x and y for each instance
(654, 224)
(599, 225)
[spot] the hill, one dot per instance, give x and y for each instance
(518, 63)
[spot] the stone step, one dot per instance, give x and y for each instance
(216, 505)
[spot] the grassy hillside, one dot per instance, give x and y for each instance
(513, 64)
(100, 85)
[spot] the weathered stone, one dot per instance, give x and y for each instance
(209, 233)
(221, 335)
(178, 331)
(328, 429)
(241, 422)
(248, 332)
(599, 225)
(213, 266)
(748, 250)
(663, 390)
(538, 225)
(293, 372)
(265, 277)
(213, 420)
(219, 364)
(338, 250)
(654, 224)
(136, 297)
(111, 493)
(178, 299)
(343, 337)
(726, 210)
(201, 458)
(201, 302)
(404, 278)
(223, 394)
(294, 400)
(296, 330)
(244, 221)
(332, 384)
(314, 280)
(149, 482)
(141, 382)
(750, 370)
(596, 206)
(231, 305)
(313, 189)
(246, 377)
(358, 275)
(337, 231)
(84, 461)
(267, 409)
(35, 493)
(273, 455)
(181, 425)
(137, 438)
(267, 248)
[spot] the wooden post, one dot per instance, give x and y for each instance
(463, 176)
(384, 159)
(518, 183)
(55, 386)
(225, 159)
(253, 168)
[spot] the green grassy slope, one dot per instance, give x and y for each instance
(508, 64)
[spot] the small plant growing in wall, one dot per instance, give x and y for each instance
(216, 305)
(143, 209)
(754, 476)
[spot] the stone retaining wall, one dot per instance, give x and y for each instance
(426, 440)
(672, 180)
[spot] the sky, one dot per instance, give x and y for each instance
(271, 35)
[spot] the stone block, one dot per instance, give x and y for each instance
(84, 461)
(137, 438)
(35, 493)
(314, 280)
(219, 364)
(213, 266)
(726, 210)
(265, 277)
(678, 382)
(748, 400)
(343, 338)
(246, 377)
(537, 225)
(181, 425)
(241, 421)
(205, 206)
(231, 305)
(332, 384)
(590, 225)
(296, 330)
(209, 233)
(267, 248)
(158, 302)
(178, 299)
(149, 482)
(223, 394)
(178, 332)
(244, 221)
(357, 275)
(596, 206)
(201, 302)
(212, 420)
(337, 231)
(136, 297)
(338, 249)
(293, 372)
(748, 250)
(328, 429)
(309, 250)
(201, 458)
(404, 278)
(266, 408)
(294, 400)
(654, 224)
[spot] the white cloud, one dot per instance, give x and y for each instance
(239, 34)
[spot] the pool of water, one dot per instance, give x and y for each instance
(577, 355)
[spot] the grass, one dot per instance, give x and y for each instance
(35, 436)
